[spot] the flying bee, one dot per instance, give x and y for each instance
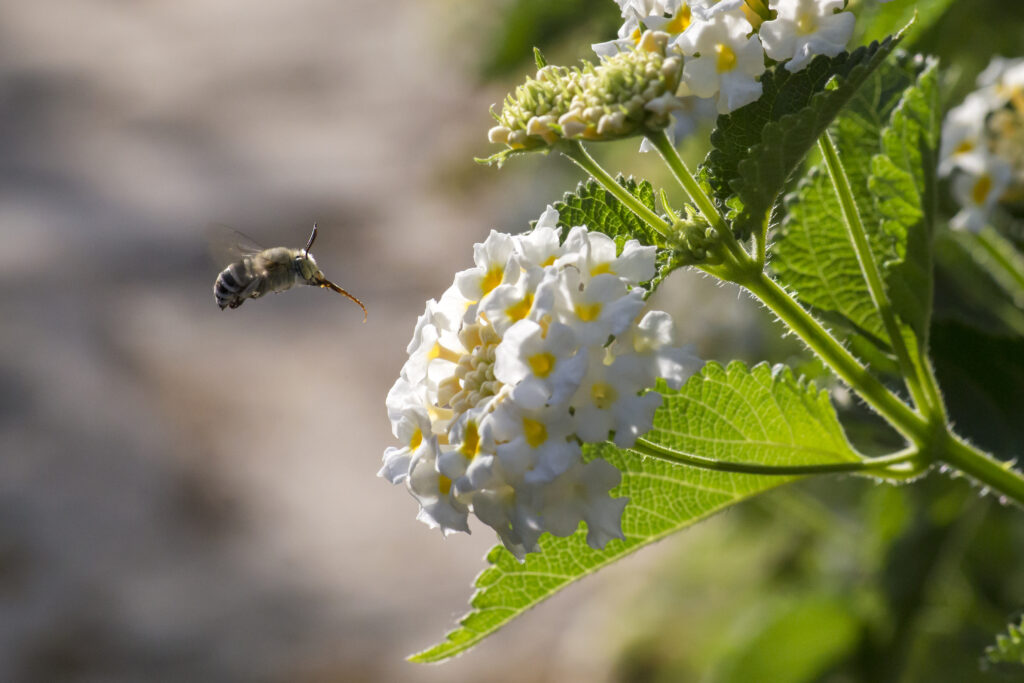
(260, 270)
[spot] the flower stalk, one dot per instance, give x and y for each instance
(920, 384)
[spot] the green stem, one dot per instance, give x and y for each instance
(740, 264)
(686, 180)
(989, 240)
(574, 150)
(997, 476)
(924, 392)
(899, 414)
(654, 450)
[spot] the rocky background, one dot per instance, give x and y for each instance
(190, 494)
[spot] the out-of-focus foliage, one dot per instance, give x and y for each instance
(525, 24)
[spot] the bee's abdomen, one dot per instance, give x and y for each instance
(233, 285)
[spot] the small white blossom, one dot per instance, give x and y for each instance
(723, 61)
(963, 133)
(977, 192)
(541, 365)
(609, 400)
(805, 28)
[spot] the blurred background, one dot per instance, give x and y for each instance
(190, 494)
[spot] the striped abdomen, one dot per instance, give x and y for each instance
(234, 284)
(255, 275)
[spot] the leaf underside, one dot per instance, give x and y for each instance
(886, 137)
(735, 414)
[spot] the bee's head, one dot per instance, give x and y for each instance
(305, 264)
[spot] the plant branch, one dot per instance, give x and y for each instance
(574, 150)
(922, 389)
(654, 450)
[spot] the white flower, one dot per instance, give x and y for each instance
(805, 28)
(582, 494)
(602, 307)
(433, 491)
(977, 193)
(541, 365)
(653, 340)
(595, 253)
(963, 132)
(723, 60)
(608, 400)
(1004, 76)
(512, 371)
(509, 303)
(493, 267)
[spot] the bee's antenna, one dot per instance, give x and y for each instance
(312, 238)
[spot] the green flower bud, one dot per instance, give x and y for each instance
(625, 94)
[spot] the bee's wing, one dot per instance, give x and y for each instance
(227, 245)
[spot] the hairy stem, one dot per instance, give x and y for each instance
(922, 389)
(899, 414)
(982, 467)
(574, 150)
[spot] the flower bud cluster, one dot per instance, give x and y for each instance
(540, 347)
(983, 145)
(620, 96)
(527, 117)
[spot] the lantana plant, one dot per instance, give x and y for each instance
(544, 397)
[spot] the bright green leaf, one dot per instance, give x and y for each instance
(757, 147)
(756, 415)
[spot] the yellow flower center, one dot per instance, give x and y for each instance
(536, 433)
(806, 24)
(679, 22)
(492, 278)
(518, 310)
(470, 441)
(541, 363)
(603, 394)
(444, 484)
(979, 193)
(601, 269)
(416, 440)
(726, 58)
(548, 261)
(588, 313)
(636, 35)
(964, 147)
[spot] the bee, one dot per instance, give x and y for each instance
(260, 270)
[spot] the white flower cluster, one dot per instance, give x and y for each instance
(983, 144)
(725, 43)
(541, 346)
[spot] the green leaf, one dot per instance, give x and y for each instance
(886, 137)
(599, 210)
(1009, 647)
(757, 415)
(877, 20)
(757, 147)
